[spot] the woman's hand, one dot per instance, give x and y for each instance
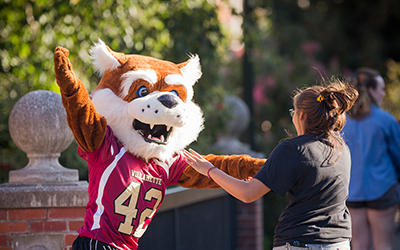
(246, 191)
(200, 164)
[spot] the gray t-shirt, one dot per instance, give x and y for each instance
(315, 177)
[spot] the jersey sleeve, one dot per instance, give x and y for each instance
(281, 171)
(108, 148)
(176, 169)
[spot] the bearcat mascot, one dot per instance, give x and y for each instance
(131, 130)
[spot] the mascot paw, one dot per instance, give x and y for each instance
(65, 76)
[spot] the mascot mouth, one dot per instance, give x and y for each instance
(152, 133)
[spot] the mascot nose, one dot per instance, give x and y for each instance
(168, 101)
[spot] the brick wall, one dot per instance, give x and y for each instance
(56, 223)
(250, 231)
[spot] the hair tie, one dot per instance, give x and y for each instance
(320, 98)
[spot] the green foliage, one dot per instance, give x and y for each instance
(298, 43)
(273, 206)
(170, 30)
(392, 100)
(356, 33)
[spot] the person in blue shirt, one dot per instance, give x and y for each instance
(373, 136)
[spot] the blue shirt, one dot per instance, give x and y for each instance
(374, 143)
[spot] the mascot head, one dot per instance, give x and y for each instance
(147, 102)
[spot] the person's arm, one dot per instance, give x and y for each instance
(238, 166)
(246, 191)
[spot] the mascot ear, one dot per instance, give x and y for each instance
(191, 72)
(191, 69)
(104, 58)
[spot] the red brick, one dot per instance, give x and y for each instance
(74, 225)
(48, 226)
(3, 240)
(14, 227)
(3, 214)
(5, 248)
(27, 214)
(71, 212)
(69, 239)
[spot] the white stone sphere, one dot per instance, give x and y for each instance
(38, 123)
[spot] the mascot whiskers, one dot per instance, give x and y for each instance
(131, 130)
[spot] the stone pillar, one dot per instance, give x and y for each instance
(250, 230)
(43, 204)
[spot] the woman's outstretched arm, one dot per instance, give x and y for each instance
(246, 191)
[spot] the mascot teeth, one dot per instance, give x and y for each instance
(152, 133)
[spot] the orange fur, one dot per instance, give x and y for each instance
(88, 126)
(238, 166)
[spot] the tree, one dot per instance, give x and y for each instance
(170, 30)
(298, 43)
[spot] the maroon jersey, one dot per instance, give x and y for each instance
(124, 192)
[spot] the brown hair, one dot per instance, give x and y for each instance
(325, 108)
(363, 79)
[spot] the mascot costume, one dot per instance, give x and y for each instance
(131, 130)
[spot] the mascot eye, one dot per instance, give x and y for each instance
(142, 91)
(174, 92)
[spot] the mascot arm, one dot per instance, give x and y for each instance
(238, 166)
(87, 125)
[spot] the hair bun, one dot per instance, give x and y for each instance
(330, 99)
(339, 99)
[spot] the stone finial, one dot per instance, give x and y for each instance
(38, 126)
(229, 142)
(240, 116)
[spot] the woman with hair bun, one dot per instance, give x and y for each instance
(373, 136)
(313, 169)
